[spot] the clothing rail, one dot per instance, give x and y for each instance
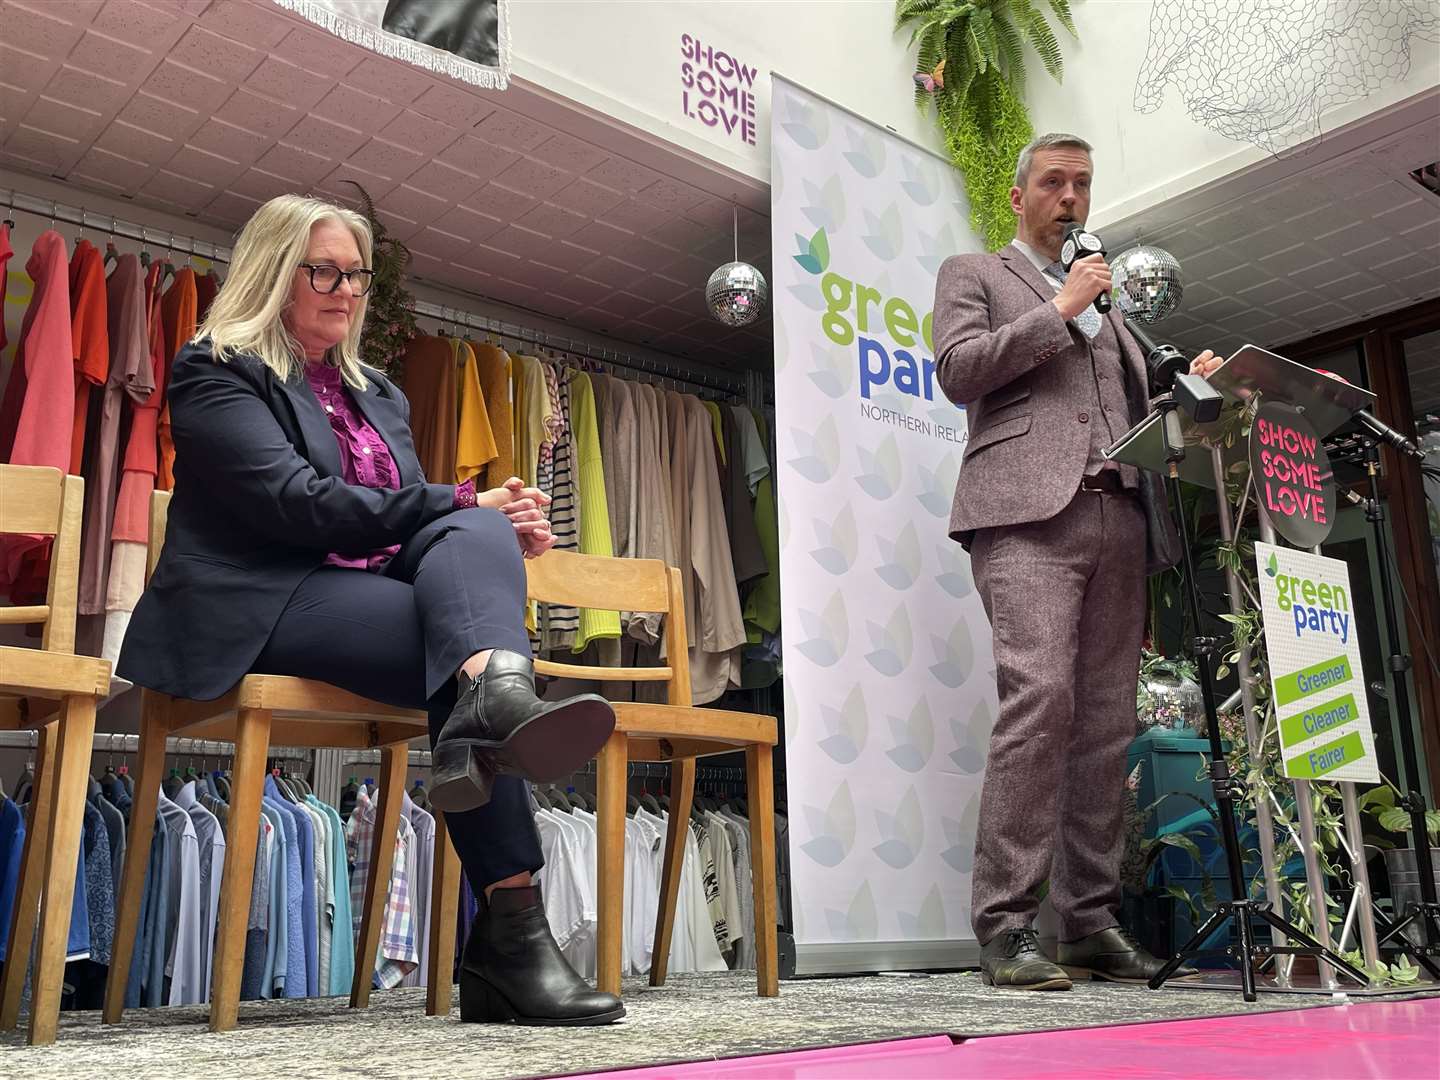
(113, 226)
(691, 376)
(418, 758)
(175, 745)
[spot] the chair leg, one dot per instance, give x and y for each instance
(247, 787)
(610, 873)
(682, 794)
(444, 909)
(760, 782)
(26, 910)
(154, 711)
(77, 737)
(393, 760)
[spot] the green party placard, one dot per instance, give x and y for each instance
(1316, 678)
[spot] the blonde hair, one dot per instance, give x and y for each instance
(245, 316)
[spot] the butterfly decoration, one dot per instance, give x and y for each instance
(932, 81)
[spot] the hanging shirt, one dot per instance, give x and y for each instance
(210, 842)
(430, 386)
(341, 972)
(12, 845)
(560, 622)
(277, 948)
(184, 965)
(424, 850)
(179, 311)
(718, 632)
(594, 511)
(128, 336)
(99, 884)
(37, 413)
(90, 338)
(398, 955)
(474, 440)
(492, 364)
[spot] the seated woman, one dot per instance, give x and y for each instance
(304, 540)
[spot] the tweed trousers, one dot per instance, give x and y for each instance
(1066, 602)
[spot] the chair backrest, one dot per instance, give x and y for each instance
(159, 515)
(595, 581)
(38, 501)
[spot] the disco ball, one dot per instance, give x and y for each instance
(736, 294)
(1147, 283)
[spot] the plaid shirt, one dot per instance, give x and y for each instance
(398, 954)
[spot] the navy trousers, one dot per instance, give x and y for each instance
(456, 587)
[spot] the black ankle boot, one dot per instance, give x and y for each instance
(499, 726)
(514, 973)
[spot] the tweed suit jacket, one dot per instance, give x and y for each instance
(1023, 374)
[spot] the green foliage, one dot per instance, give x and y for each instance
(979, 108)
(389, 320)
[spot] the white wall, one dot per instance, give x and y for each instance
(624, 60)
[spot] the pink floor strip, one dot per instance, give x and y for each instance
(1376, 1040)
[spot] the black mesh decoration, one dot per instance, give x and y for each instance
(1263, 73)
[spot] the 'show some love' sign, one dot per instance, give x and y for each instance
(1292, 474)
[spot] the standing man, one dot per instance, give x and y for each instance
(1060, 541)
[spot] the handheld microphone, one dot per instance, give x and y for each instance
(1386, 434)
(1077, 245)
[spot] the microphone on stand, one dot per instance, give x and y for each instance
(1386, 434)
(1077, 245)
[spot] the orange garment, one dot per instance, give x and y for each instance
(474, 440)
(430, 384)
(207, 285)
(37, 413)
(137, 481)
(90, 338)
(493, 366)
(179, 310)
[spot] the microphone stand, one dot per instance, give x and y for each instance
(1426, 914)
(1239, 909)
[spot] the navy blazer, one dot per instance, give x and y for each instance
(259, 501)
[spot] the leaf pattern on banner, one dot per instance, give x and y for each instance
(834, 371)
(935, 249)
(818, 455)
(807, 125)
(886, 236)
(959, 851)
(879, 469)
(920, 181)
(867, 152)
(901, 558)
(902, 834)
(827, 204)
(827, 633)
(832, 829)
(860, 922)
(914, 738)
(808, 293)
(938, 485)
(893, 400)
(972, 738)
(956, 576)
(892, 645)
(839, 541)
(929, 924)
(954, 656)
(848, 727)
(814, 253)
(948, 413)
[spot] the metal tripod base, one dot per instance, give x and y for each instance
(1425, 916)
(1226, 981)
(1248, 951)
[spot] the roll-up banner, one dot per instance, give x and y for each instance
(889, 674)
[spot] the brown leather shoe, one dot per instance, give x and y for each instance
(1013, 960)
(1114, 955)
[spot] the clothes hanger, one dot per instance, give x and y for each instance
(538, 797)
(9, 220)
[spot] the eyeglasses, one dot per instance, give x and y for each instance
(325, 278)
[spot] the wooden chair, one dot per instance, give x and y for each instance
(676, 732)
(313, 714)
(57, 693)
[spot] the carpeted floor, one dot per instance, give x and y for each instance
(692, 1018)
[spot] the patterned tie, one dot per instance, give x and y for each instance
(1088, 320)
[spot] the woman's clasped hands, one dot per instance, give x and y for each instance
(525, 507)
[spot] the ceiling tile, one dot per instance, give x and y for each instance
(205, 167)
(443, 182)
(136, 143)
(356, 109)
(376, 186)
(566, 256)
(582, 290)
(601, 237)
(637, 217)
(160, 116)
(420, 133)
(490, 260)
(622, 175)
(118, 60)
(319, 52)
(511, 130)
(387, 159)
(42, 29)
(570, 154)
(260, 186)
(553, 221)
(291, 162)
(521, 242)
(175, 82)
(500, 202)
(414, 204)
(113, 169)
(224, 58)
(472, 225)
(166, 189)
(388, 79)
(227, 140)
(252, 23)
(257, 114)
(231, 209)
(87, 91)
(64, 119)
(324, 137)
(680, 233)
(533, 178)
(477, 157)
(441, 244)
(282, 81)
(672, 195)
(452, 106)
(586, 197)
(43, 147)
(24, 70)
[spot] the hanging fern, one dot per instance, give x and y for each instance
(978, 99)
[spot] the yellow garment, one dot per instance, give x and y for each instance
(493, 365)
(714, 411)
(532, 412)
(594, 508)
(474, 441)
